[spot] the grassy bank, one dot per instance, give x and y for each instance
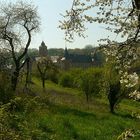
(63, 114)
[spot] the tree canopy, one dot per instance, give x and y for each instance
(121, 16)
(17, 23)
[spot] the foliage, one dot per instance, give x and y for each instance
(56, 52)
(121, 80)
(76, 74)
(5, 88)
(121, 17)
(66, 80)
(5, 60)
(70, 78)
(127, 134)
(99, 57)
(113, 87)
(135, 95)
(91, 82)
(88, 49)
(44, 64)
(36, 117)
(53, 75)
(33, 52)
(17, 23)
(13, 121)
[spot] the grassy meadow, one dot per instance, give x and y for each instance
(60, 113)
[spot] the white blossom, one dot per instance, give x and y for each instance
(135, 95)
(129, 80)
(123, 59)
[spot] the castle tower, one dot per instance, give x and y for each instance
(43, 51)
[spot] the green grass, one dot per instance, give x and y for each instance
(52, 86)
(65, 115)
(67, 123)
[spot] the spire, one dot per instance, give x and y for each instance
(43, 44)
(66, 53)
(43, 50)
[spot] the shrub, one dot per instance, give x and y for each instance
(76, 73)
(6, 131)
(91, 82)
(66, 80)
(71, 78)
(14, 120)
(6, 92)
(52, 75)
(25, 105)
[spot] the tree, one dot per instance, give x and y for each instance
(32, 52)
(56, 52)
(88, 49)
(113, 86)
(87, 85)
(113, 95)
(5, 60)
(119, 78)
(17, 23)
(28, 72)
(44, 64)
(91, 81)
(121, 17)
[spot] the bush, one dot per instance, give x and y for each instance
(66, 80)
(6, 92)
(76, 73)
(91, 82)
(14, 121)
(71, 78)
(52, 75)
(98, 80)
(6, 118)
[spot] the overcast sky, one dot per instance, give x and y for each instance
(49, 11)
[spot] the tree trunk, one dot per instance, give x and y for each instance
(113, 95)
(14, 79)
(43, 82)
(27, 73)
(112, 105)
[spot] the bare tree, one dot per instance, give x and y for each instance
(17, 23)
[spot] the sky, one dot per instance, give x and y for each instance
(49, 12)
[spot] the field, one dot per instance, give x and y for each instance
(64, 114)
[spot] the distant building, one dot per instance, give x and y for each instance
(75, 60)
(43, 51)
(54, 58)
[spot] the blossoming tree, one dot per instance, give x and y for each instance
(121, 61)
(121, 17)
